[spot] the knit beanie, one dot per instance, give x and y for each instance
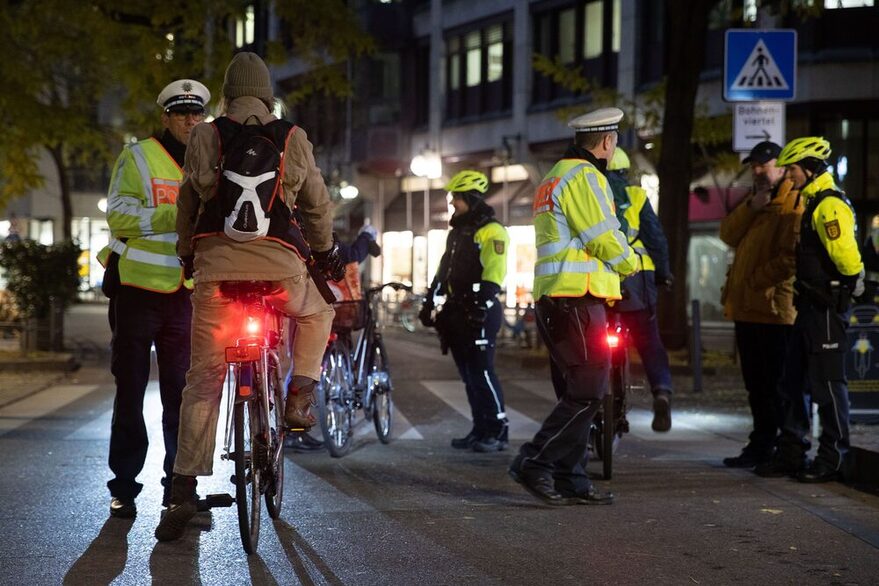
(247, 75)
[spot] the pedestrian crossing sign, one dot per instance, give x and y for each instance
(760, 65)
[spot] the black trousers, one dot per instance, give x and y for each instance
(140, 319)
(762, 350)
(815, 365)
(576, 336)
(476, 366)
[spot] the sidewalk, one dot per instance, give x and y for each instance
(722, 391)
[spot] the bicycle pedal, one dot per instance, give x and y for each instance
(215, 500)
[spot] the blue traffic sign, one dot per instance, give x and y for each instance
(760, 65)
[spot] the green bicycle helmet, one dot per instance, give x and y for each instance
(619, 161)
(468, 180)
(814, 147)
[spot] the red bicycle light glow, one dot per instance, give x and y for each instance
(613, 340)
(253, 326)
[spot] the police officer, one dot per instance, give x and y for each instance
(637, 310)
(470, 275)
(149, 298)
(581, 255)
(829, 272)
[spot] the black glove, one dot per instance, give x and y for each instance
(665, 281)
(330, 263)
(187, 263)
(425, 315)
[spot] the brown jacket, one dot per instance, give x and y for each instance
(759, 284)
(218, 258)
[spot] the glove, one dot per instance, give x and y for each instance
(425, 315)
(369, 230)
(374, 249)
(187, 263)
(664, 281)
(330, 263)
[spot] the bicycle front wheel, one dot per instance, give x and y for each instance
(336, 401)
(277, 426)
(382, 399)
(247, 473)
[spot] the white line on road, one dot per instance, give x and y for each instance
(402, 428)
(452, 393)
(41, 404)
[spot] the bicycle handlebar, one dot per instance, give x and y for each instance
(396, 286)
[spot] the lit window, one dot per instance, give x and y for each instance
(495, 38)
(455, 71)
(831, 4)
(617, 26)
(593, 18)
(567, 23)
(244, 29)
(474, 59)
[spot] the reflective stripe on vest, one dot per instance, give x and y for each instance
(564, 268)
(638, 197)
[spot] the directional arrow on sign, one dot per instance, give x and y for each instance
(764, 136)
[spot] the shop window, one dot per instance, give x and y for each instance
(706, 274)
(831, 4)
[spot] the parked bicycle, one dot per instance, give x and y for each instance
(610, 423)
(255, 427)
(356, 377)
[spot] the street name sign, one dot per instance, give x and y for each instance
(755, 122)
(760, 65)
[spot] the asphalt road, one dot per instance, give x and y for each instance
(418, 512)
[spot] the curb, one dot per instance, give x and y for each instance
(62, 363)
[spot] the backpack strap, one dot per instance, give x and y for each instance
(291, 128)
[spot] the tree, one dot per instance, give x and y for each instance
(61, 58)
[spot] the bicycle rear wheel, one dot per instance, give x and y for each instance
(274, 493)
(335, 400)
(382, 398)
(247, 472)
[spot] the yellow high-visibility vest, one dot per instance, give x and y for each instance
(580, 249)
(142, 213)
(638, 197)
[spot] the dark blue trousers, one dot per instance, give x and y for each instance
(140, 319)
(476, 366)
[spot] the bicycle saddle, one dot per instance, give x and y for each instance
(236, 289)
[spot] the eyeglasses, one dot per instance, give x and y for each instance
(180, 116)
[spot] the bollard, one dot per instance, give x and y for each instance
(696, 347)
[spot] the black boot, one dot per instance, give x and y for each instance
(466, 442)
(184, 504)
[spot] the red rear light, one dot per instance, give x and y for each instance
(253, 326)
(613, 340)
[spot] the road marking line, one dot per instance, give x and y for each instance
(453, 394)
(399, 422)
(41, 404)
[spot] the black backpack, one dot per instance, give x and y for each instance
(248, 202)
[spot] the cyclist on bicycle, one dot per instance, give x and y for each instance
(638, 308)
(247, 99)
(470, 274)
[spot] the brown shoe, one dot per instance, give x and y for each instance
(297, 412)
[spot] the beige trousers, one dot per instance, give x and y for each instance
(216, 324)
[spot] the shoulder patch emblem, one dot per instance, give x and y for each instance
(832, 229)
(499, 246)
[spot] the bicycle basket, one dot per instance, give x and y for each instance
(350, 315)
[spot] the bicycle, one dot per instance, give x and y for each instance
(255, 427)
(356, 379)
(608, 430)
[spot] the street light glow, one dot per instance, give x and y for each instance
(427, 165)
(348, 191)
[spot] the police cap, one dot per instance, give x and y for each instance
(601, 120)
(184, 95)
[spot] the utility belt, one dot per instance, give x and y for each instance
(567, 303)
(831, 295)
